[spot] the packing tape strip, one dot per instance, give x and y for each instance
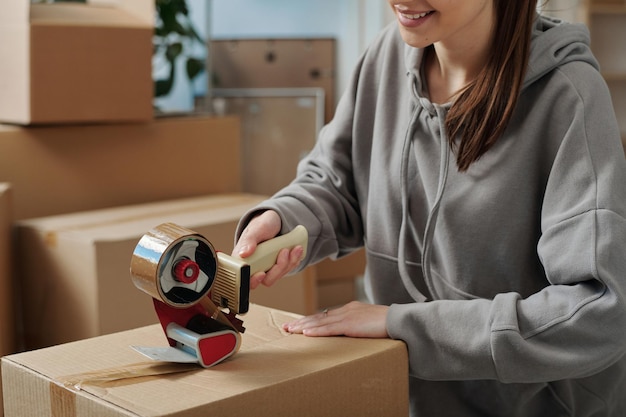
(62, 401)
(118, 375)
(155, 257)
(63, 391)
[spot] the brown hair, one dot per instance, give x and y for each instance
(483, 109)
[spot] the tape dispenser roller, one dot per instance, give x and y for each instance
(198, 292)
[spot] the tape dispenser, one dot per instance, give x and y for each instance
(198, 292)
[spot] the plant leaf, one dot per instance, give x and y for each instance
(173, 51)
(194, 67)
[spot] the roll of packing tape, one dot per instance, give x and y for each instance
(174, 265)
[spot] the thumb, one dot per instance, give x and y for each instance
(261, 228)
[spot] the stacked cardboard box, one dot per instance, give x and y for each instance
(7, 330)
(78, 78)
(273, 374)
(64, 64)
(70, 168)
(68, 63)
(74, 268)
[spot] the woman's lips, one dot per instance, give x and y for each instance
(411, 18)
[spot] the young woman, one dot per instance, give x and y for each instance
(477, 157)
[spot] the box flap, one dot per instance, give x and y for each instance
(135, 220)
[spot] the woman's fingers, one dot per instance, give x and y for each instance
(286, 261)
(354, 319)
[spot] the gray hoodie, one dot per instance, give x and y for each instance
(507, 282)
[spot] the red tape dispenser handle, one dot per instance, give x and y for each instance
(198, 292)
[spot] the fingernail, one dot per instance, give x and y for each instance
(243, 250)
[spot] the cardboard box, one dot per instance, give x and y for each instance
(348, 267)
(61, 169)
(336, 279)
(276, 63)
(332, 294)
(279, 127)
(65, 63)
(273, 374)
(74, 268)
(7, 316)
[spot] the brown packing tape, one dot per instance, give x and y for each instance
(147, 259)
(123, 375)
(62, 401)
(216, 314)
(63, 392)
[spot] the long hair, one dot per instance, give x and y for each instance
(483, 109)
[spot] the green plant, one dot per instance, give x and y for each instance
(175, 38)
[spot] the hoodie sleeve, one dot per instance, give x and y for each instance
(576, 325)
(322, 197)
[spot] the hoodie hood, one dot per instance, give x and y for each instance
(555, 43)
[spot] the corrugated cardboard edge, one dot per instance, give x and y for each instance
(7, 317)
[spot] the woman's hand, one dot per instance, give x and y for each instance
(263, 227)
(355, 319)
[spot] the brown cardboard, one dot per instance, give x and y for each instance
(336, 279)
(75, 267)
(267, 63)
(349, 266)
(7, 330)
(62, 169)
(273, 374)
(278, 128)
(335, 293)
(69, 63)
(297, 293)
(7, 316)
